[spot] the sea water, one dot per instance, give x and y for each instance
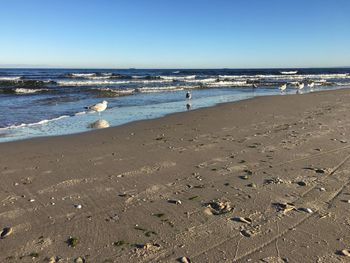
(47, 102)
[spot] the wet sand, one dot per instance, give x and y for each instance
(261, 180)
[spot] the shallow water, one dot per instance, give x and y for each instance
(45, 102)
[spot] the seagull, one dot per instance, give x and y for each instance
(101, 106)
(311, 84)
(300, 85)
(188, 95)
(283, 87)
(255, 86)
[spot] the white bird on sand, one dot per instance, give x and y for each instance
(188, 95)
(101, 106)
(283, 87)
(300, 85)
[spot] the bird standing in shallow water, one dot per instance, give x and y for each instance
(101, 106)
(300, 85)
(188, 95)
(283, 87)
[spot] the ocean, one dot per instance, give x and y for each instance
(47, 102)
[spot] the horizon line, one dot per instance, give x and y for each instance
(154, 68)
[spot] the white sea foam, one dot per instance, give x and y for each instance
(138, 77)
(117, 92)
(159, 89)
(342, 83)
(207, 80)
(10, 78)
(99, 77)
(292, 72)
(178, 78)
(286, 77)
(80, 113)
(221, 79)
(229, 84)
(83, 75)
(29, 91)
(107, 82)
(33, 124)
(90, 82)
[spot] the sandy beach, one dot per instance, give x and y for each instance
(261, 180)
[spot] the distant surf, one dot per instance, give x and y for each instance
(293, 72)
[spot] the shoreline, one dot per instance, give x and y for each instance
(164, 116)
(210, 184)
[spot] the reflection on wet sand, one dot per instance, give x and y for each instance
(99, 124)
(188, 106)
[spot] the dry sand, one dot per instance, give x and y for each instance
(262, 180)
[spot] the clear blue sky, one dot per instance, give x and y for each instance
(175, 33)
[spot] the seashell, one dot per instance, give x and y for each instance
(245, 220)
(246, 233)
(176, 202)
(184, 260)
(301, 183)
(307, 210)
(274, 180)
(345, 252)
(219, 207)
(149, 246)
(285, 207)
(320, 171)
(252, 185)
(6, 232)
(79, 260)
(51, 260)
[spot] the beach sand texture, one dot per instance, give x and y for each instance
(261, 180)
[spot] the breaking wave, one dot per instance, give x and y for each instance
(292, 72)
(23, 91)
(33, 124)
